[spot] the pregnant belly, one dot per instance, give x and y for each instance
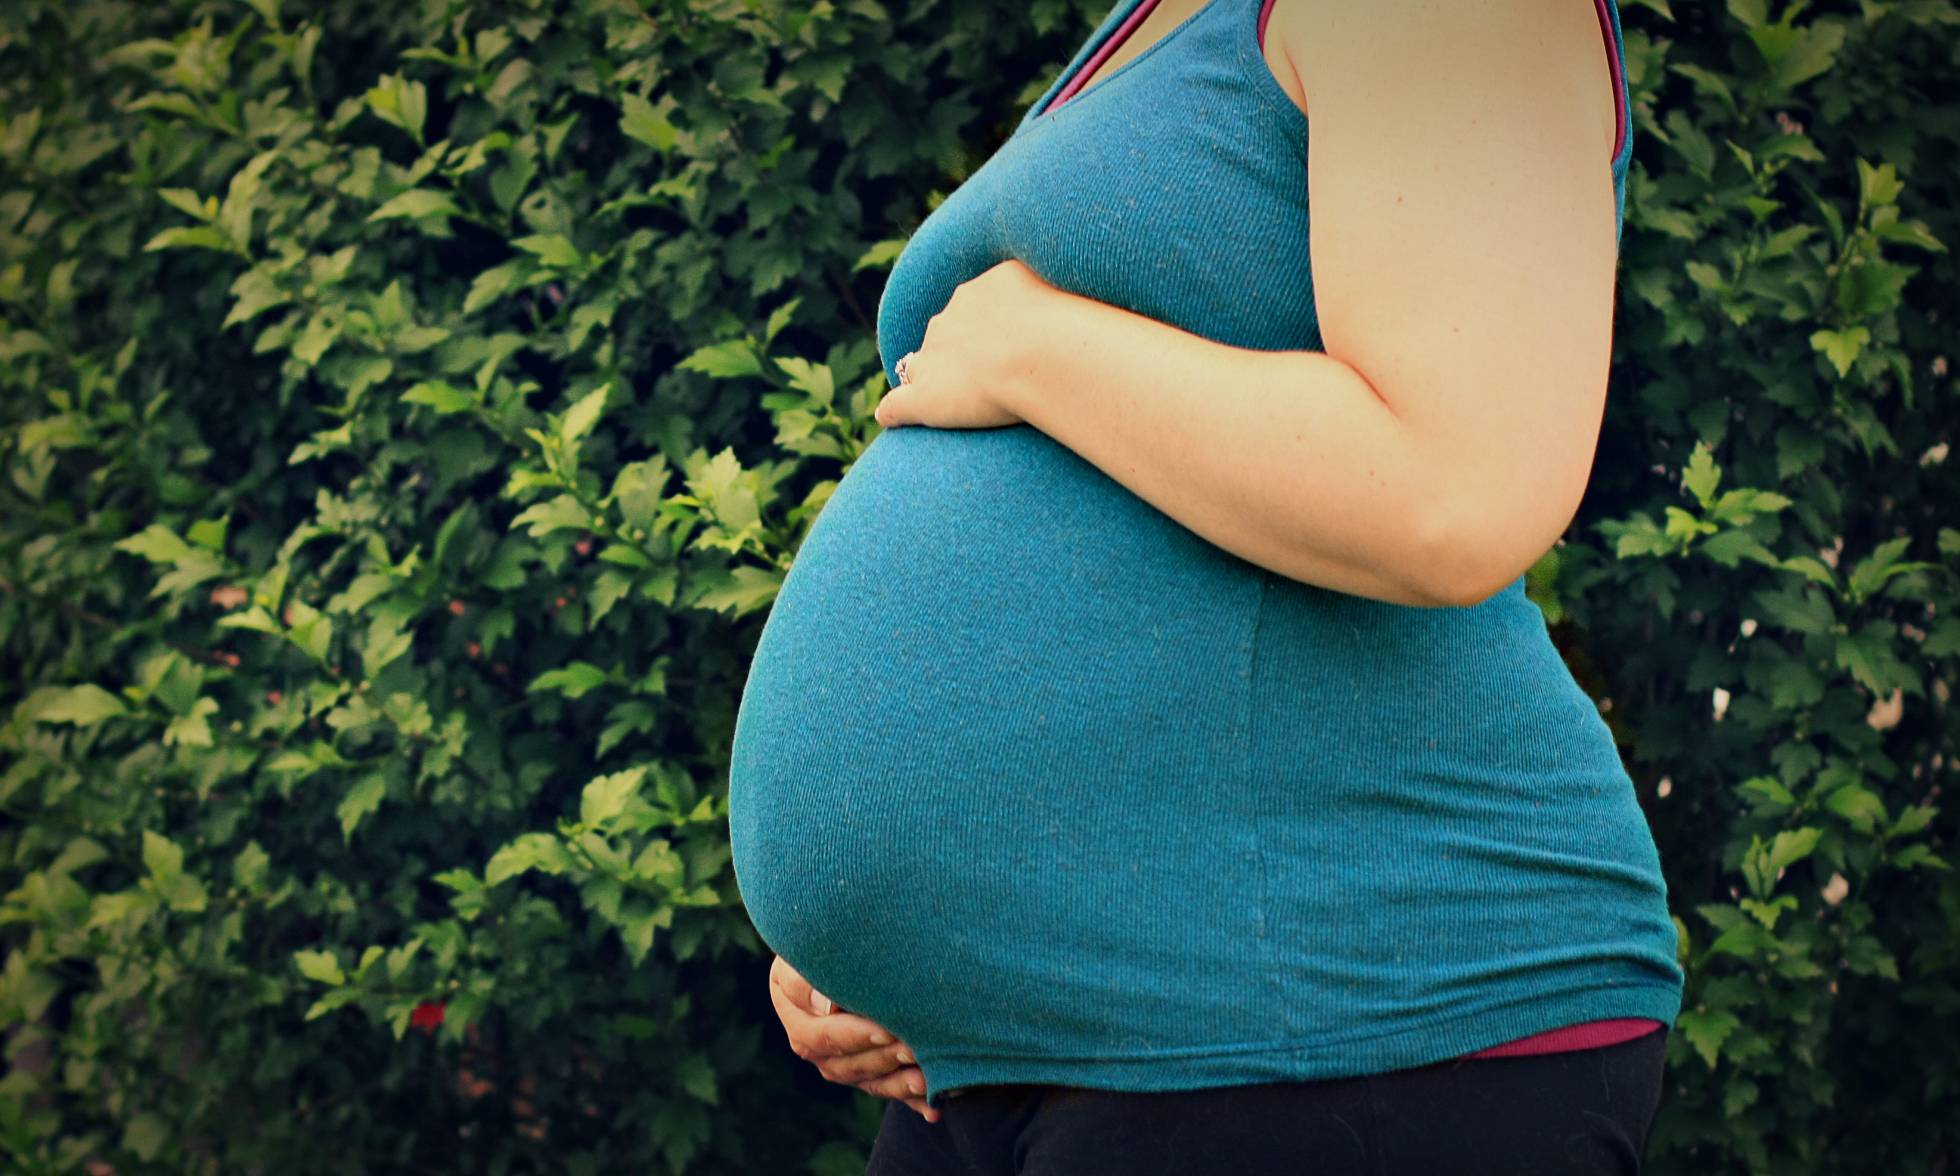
(995, 730)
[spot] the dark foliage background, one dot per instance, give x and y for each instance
(407, 414)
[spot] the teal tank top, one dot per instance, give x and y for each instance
(1059, 792)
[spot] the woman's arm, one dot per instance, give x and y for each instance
(1464, 261)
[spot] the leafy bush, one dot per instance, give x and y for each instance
(411, 411)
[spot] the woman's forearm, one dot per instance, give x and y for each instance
(1286, 459)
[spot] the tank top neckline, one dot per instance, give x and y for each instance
(1121, 24)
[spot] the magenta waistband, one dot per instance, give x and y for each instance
(1588, 1035)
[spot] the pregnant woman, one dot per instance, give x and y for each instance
(1153, 760)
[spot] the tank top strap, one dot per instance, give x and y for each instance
(1218, 28)
(1616, 58)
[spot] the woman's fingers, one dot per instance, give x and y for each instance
(857, 1068)
(814, 1036)
(919, 1105)
(905, 1083)
(835, 1036)
(800, 991)
(917, 1102)
(847, 1049)
(792, 984)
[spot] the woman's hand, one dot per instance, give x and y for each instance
(966, 373)
(846, 1048)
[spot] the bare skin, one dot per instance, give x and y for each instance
(846, 1048)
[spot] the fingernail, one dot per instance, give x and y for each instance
(820, 1003)
(880, 1037)
(916, 1084)
(904, 1054)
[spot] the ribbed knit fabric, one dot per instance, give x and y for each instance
(1058, 791)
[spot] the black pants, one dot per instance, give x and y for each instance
(1578, 1113)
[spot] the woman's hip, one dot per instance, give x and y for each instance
(1576, 1113)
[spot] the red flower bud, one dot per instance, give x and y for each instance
(428, 1015)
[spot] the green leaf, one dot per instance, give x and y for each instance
(1730, 547)
(386, 641)
(493, 284)
(1881, 565)
(192, 728)
(1706, 81)
(697, 1076)
(183, 893)
(1878, 185)
(1918, 855)
(555, 514)
(249, 867)
(156, 543)
(880, 254)
(1767, 913)
(1811, 568)
(580, 417)
(814, 379)
(723, 486)
(1811, 51)
(363, 798)
(415, 204)
(321, 966)
(399, 958)
(1912, 820)
(1706, 276)
(439, 396)
(459, 880)
(641, 121)
(1798, 609)
(1867, 288)
(1706, 1031)
(1750, 14)
(1858, 805)
(607, 796)
(311, 630)
(1767, 790)
(1702, 475)
(1869, 655)
(740, 590)
(399, 101)
(1792, 846)
(330, 1001)
(84, 705)
(145, 1134)
(530, 851)
(733, 357)
(203, 208)
(255, 618)
(190, 237)
(1841, 347)
(659, 863)
(1911, 232)
(162, 857)
(552, 249)
(573, 681)
(256, 293)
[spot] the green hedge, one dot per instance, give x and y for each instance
(410, 411)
